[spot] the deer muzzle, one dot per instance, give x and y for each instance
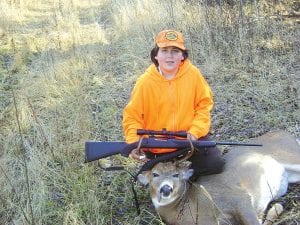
(166, 190)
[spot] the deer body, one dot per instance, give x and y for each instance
(253, 177)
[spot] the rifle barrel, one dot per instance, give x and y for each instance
(237, 143)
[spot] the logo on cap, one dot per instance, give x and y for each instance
(171, 36)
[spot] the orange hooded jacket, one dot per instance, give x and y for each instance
(182, 103)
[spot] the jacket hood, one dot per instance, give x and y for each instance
(153, 73)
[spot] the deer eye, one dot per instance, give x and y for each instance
(155, 175)
(176, 175)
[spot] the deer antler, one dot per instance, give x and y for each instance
(190, 153)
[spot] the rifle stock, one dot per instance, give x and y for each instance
(101, 149)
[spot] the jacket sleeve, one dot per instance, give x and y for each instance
(133, 114)
(202, 107)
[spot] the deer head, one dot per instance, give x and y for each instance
(168, 182)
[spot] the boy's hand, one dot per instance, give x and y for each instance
(138, 155)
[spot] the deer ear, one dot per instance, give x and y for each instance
(143, 178)
(187, 174)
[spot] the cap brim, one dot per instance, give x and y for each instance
(171, 44)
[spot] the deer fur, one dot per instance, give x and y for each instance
(253, 177)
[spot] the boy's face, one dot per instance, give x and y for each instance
(169, 59)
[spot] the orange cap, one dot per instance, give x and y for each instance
(167, 38)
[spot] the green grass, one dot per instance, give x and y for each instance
(67, 69)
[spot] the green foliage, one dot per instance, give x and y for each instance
(66, 72)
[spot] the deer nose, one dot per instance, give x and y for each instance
(166, 190)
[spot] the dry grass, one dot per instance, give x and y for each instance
(67, 69)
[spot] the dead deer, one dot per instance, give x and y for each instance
(253, 177)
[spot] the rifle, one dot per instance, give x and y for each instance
(95, 150)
